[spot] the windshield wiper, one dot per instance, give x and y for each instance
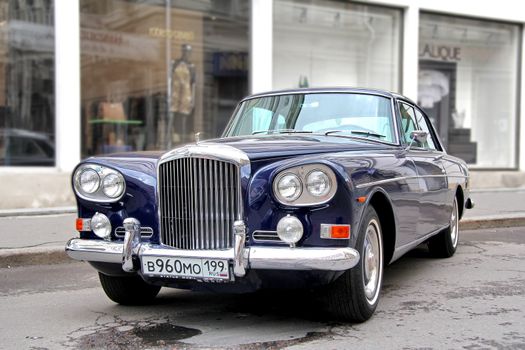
(358, 132)
(282, 131)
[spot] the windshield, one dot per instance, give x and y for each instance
(360, 115)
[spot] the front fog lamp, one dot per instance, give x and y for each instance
(89, 181)
(290, 229)
(101, 226)
(318, 183)
(289, 187)
(112, 185)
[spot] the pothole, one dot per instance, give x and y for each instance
(164, 334)
(132, 335)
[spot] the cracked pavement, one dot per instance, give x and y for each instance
(474, 300)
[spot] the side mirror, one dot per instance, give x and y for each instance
(419, 136)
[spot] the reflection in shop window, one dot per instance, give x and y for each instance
(468, 88)
(336, 43)
(153, 76)
(27, 93)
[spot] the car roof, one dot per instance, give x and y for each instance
(321, 90)
(9, 132)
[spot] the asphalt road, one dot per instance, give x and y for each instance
(475, 300)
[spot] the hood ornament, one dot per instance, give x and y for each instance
(198, 137)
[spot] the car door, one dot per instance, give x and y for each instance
(428, 159)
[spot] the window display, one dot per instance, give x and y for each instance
(468, 71)
(27, 93)
(150, 79)
(336, 43)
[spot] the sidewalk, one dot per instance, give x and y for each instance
(31, 237)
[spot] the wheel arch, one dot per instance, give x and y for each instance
(380, 201)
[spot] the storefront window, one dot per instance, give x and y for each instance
(335, 43)
(153, 73)
(27, 97)
(468, 71)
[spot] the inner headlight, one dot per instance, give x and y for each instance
(113, 185)
(98, 183)
(289, 187)
(318, 183)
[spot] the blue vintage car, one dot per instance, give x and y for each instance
(306, 188)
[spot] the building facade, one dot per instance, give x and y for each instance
(87, 77)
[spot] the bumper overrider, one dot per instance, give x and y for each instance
(131, 252)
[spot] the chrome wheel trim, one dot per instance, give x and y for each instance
(454, 224)
(372, 262)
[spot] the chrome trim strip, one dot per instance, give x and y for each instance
(161, 250)
(266, 236)
(401, 178)
(272, 258)
(400, 251)
(145, 231)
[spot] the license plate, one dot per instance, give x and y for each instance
(192, 268)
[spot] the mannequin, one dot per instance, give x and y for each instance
(182, 80)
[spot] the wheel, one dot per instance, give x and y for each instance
(354, 296)
(128, 290)
(444, 244)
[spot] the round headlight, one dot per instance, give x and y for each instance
(89, 181)
(318, 183)
(112, 185)
(290, 229)
(101, 226)
(289, 187)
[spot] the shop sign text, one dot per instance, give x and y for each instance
(441, 52)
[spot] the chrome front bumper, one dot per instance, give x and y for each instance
(273, 258)
(131, 251)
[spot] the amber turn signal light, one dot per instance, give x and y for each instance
(83, 224)
(329, 231)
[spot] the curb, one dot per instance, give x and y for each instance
(37, 211)
(498, 221)
(33, 256)
(56, 255)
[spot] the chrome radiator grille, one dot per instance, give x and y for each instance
(198, 202)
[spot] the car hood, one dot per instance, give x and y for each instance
(256, 148)
(277, 146)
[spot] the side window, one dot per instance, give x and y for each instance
(423, 124)
(408, 121)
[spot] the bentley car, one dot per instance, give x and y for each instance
(310, 188)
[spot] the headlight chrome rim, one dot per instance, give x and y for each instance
(306, 197)
(101, 194)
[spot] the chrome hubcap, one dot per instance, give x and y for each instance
(454, 227)
(372, 261)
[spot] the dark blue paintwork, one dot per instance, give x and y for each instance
(420, 201)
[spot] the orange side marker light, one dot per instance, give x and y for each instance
(83, 224)
(329, 231)
(361, 199)
(340, 232)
